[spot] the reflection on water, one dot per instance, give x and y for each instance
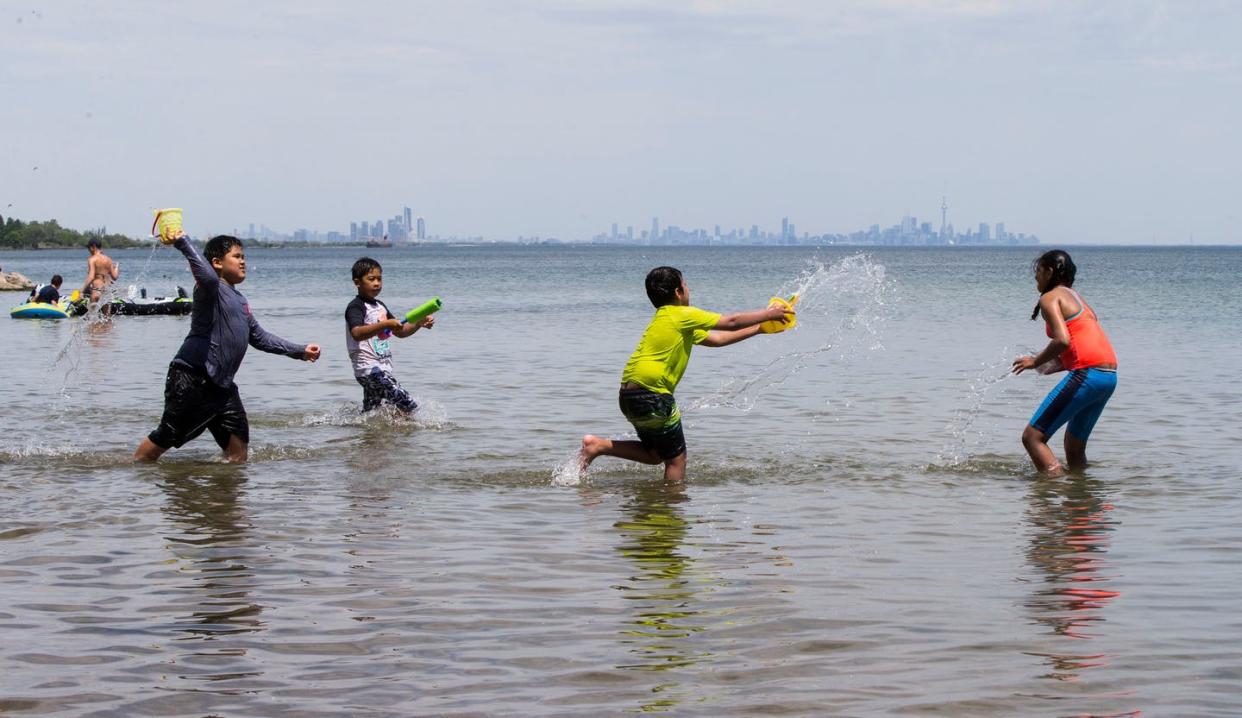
(1072, 526)
(211, 552)
(665, 590)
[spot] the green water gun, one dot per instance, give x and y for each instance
(427, 308)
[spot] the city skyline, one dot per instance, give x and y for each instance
(406, 227)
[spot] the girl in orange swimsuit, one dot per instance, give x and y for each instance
(1077, 344)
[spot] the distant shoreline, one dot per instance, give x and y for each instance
(141, 244)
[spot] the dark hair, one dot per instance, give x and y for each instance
(363, 267)
(57, 279)
(92, 242)
(662, 285)
(219, 245)
(1063, 271)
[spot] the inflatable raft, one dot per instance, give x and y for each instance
(41, 310)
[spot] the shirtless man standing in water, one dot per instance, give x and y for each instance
(100, 271)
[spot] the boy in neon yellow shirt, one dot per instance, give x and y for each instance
(657, 364)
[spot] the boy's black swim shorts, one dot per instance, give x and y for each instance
(192, 404)
(657, 420)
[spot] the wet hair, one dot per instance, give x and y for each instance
(662, 285)
(92, 242)
(363, 267)
(56, 280)
(1063, 271)
(219, 245)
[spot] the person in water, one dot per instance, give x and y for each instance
(1077, 344)
(48, 293)
(656, 366)
(368, 326)
(199, 393)
(101, 271)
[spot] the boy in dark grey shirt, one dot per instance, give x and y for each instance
(199, 393)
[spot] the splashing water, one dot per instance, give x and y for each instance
(961, 428)
(67, 360)
(430, 415)
(843, 306)
(841, 309)
(568, 472)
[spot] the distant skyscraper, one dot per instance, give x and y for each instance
(353, 231)
(1000, 231)
(784, 228)
(614, 231)
(409, 227)
(985, 232)
(377, 229)
(944, 213)
(629, 233)
(422, 229)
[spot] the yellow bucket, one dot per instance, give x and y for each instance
(167, 222)
(776, 326)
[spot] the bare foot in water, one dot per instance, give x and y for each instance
(592, 446)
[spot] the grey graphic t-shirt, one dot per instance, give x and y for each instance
(368, 353)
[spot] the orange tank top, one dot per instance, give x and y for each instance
(1088, 345)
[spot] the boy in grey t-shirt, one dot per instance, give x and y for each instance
(368, 326)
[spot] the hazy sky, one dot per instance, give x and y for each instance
(1109, 121)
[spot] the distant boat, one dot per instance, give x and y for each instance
(379, 242)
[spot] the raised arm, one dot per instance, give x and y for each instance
(733, 328)
(199, 266)
(718, 338)
(742, 320)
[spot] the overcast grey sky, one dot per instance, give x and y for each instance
(1108, 121)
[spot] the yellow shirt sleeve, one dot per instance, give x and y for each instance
(660, 359)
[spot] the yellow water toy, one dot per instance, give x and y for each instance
(776, 326)
(167, 223)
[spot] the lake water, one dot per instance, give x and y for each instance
(860, 534)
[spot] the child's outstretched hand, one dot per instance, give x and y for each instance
(175, 236)
(778, 317)
(1021, 364)
(427, 322)
(311, 352)
(777, 312)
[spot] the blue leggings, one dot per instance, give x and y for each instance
(1076, 401)
(379, 386)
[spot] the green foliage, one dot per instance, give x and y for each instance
(16, 234)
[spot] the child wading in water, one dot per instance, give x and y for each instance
(657, 364)
(1078, 345)
(199, 393)
(368, 326)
